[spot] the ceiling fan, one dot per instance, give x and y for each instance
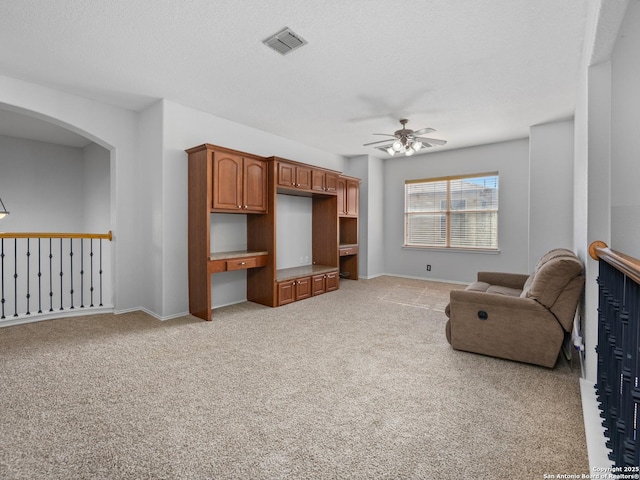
(406, 141)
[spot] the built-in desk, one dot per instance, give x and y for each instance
(237, 260)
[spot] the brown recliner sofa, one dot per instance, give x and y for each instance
(518, 317)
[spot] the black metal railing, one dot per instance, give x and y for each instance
(617, 387)
(41, 273)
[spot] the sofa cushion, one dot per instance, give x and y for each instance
(478, 287)
(496, 289)
(500, 290)
(551, 276)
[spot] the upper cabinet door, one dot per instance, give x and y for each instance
(227, 181)
(254, 185)
(239, 184)
(303, 178)
(331, 182)
(318, 181)
(322, 181)
(342, 193)
(348, 196)
(286, 175)
(353, 197)
(294, 176)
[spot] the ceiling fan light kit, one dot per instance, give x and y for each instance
(407, 141)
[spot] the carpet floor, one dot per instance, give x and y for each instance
(359, 383)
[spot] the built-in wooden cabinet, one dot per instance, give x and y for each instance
(322, 181)
(324, 283)
(294, 176)
(239, 183)
(238, 260)
(348, 211)
(228, 181)
(298, 283)
(291, 291)
(348, 196)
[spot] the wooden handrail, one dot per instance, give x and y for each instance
(626, 264)
(104, 236)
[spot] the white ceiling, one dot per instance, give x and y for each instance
(476, 71)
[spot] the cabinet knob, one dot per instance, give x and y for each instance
(244, 207)
(239, 206)
(242, 263)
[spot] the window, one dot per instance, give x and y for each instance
(452, 212)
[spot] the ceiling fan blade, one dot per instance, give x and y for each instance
(385, 134)
(424, 130)
(433, 141)
(373, 143)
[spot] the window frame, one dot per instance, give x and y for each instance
(446, 214)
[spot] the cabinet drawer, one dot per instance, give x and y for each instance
(238, 263)
(348, 250)
(248, 262)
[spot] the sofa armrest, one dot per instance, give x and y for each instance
(525, 305)
(511, 280)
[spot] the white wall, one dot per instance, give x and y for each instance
(371, 213)
(511, 160)
(42, 185)
(293, 231)
(151, 208)
(183, 128)
(55, 188)
(115, 129)
(550, 188)
(96, 189)
(625, 137)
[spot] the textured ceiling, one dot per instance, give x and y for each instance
(476, 71)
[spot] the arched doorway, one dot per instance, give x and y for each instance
(53, 179)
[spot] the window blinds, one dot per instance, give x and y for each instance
(454, 212)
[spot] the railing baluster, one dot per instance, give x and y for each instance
(39, 276)
(51, 275)
(61, 274)
(19, 296)
(28, 296)
(618, 349)
(2, 261)
(81, 273)
(100, 271)
(91, 261)
(15, 276)
(71, 269)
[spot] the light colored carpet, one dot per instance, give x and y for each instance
(359, 383)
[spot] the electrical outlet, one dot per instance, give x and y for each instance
(428, 268)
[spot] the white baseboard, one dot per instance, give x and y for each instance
(423, 278)
(593, 429)
(40, 317)
(152, 314)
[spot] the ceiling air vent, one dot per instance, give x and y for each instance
(285, 41)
